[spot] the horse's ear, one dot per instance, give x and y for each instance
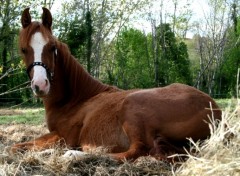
(47, 18)
(26, 18)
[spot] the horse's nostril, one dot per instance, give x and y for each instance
(46, 82)
(37, 89)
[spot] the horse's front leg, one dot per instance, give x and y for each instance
(41, 143)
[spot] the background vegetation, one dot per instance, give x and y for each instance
(104, 36)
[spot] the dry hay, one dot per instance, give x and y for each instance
(52, 161)
(219, 155)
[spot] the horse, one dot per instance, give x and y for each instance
(83, 113)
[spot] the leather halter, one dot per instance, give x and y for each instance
(50, 74)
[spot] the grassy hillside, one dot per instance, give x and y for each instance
(193, 56)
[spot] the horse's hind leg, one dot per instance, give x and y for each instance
(137, 139)
(135, 150)
(161, 150)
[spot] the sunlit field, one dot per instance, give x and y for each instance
(219, 155)
(29, 115)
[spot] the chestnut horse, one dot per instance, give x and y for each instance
(84, 113)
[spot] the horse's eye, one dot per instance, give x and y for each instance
(24, 50)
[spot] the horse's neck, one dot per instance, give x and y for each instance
(72, 84)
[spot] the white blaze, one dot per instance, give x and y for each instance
(40, 74)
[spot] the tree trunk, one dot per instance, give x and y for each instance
(156, 55)
(4, 58)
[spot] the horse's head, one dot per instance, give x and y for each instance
(38, 48)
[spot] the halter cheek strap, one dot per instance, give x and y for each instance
(49, 72)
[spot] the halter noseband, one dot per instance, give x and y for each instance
(50, 74)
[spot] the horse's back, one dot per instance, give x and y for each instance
(176, 111)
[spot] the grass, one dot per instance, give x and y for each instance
(216, 156)
(227, 103)
(32, 116)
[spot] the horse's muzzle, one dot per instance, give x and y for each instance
(40, 87)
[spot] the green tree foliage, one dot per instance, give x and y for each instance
(133, 65)
(135, 62)
(106, 18)
(79, 39)
(226, 75)
(229, 69)
(76, 29)
(10, 69)
(174, 64)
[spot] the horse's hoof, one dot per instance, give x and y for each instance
(74, 155)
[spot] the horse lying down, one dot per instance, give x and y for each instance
(81, 112)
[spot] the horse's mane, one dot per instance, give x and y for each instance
(81, 83)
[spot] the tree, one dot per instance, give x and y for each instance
(180, 18)
(231, 62)
(79, 39)
(162, 33)
(135, 60)
(107, 19)
(9, 12)
(211, 44)
(174, 64)
(133, 66)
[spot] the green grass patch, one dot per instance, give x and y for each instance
(227, 103)
(33, 116)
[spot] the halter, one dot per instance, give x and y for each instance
(50, 74)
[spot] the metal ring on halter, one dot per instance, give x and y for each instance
(49, 72)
